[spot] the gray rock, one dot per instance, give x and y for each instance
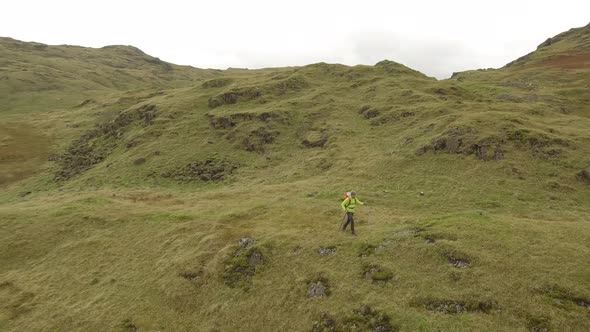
(449, 308)
(327, 251)
(246, 242)
(539, 329)
(459, 263)
(315, 289)
(255, 259)
(583, 303)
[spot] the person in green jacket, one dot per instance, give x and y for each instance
(348, 206)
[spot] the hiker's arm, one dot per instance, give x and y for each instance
(342, 204)
(359, 201)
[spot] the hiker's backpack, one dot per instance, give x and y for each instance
(349, 198)
(346, 195)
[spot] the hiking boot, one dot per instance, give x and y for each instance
(353, 233)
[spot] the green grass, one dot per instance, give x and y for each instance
(121, 245)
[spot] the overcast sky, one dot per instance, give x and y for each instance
(436, 37)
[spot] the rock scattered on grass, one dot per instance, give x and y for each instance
(318, 287)
(539, 329)
(246, 242)
(458, 260)
(449, 308)
(459, 263)
(327, 251)
(583, 303)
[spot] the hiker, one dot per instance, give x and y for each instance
(348, 205)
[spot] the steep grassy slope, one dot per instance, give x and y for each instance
(208, 200)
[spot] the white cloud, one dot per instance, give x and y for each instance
(435, 37)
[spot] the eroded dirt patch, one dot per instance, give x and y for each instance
(465, 140)
(571, 60)
(228, 121)
(234, 96)
(97, 144)
(207, 170)
(363, 319)
(248, 93)
(256, 140)
(454, 307)
(250, 131)
(563, 295)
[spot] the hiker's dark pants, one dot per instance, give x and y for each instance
(349, 220)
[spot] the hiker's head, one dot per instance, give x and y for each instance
(353, 194)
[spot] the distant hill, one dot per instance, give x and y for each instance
(47, 73)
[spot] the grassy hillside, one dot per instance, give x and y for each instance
(140, 195)
(38, 77)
